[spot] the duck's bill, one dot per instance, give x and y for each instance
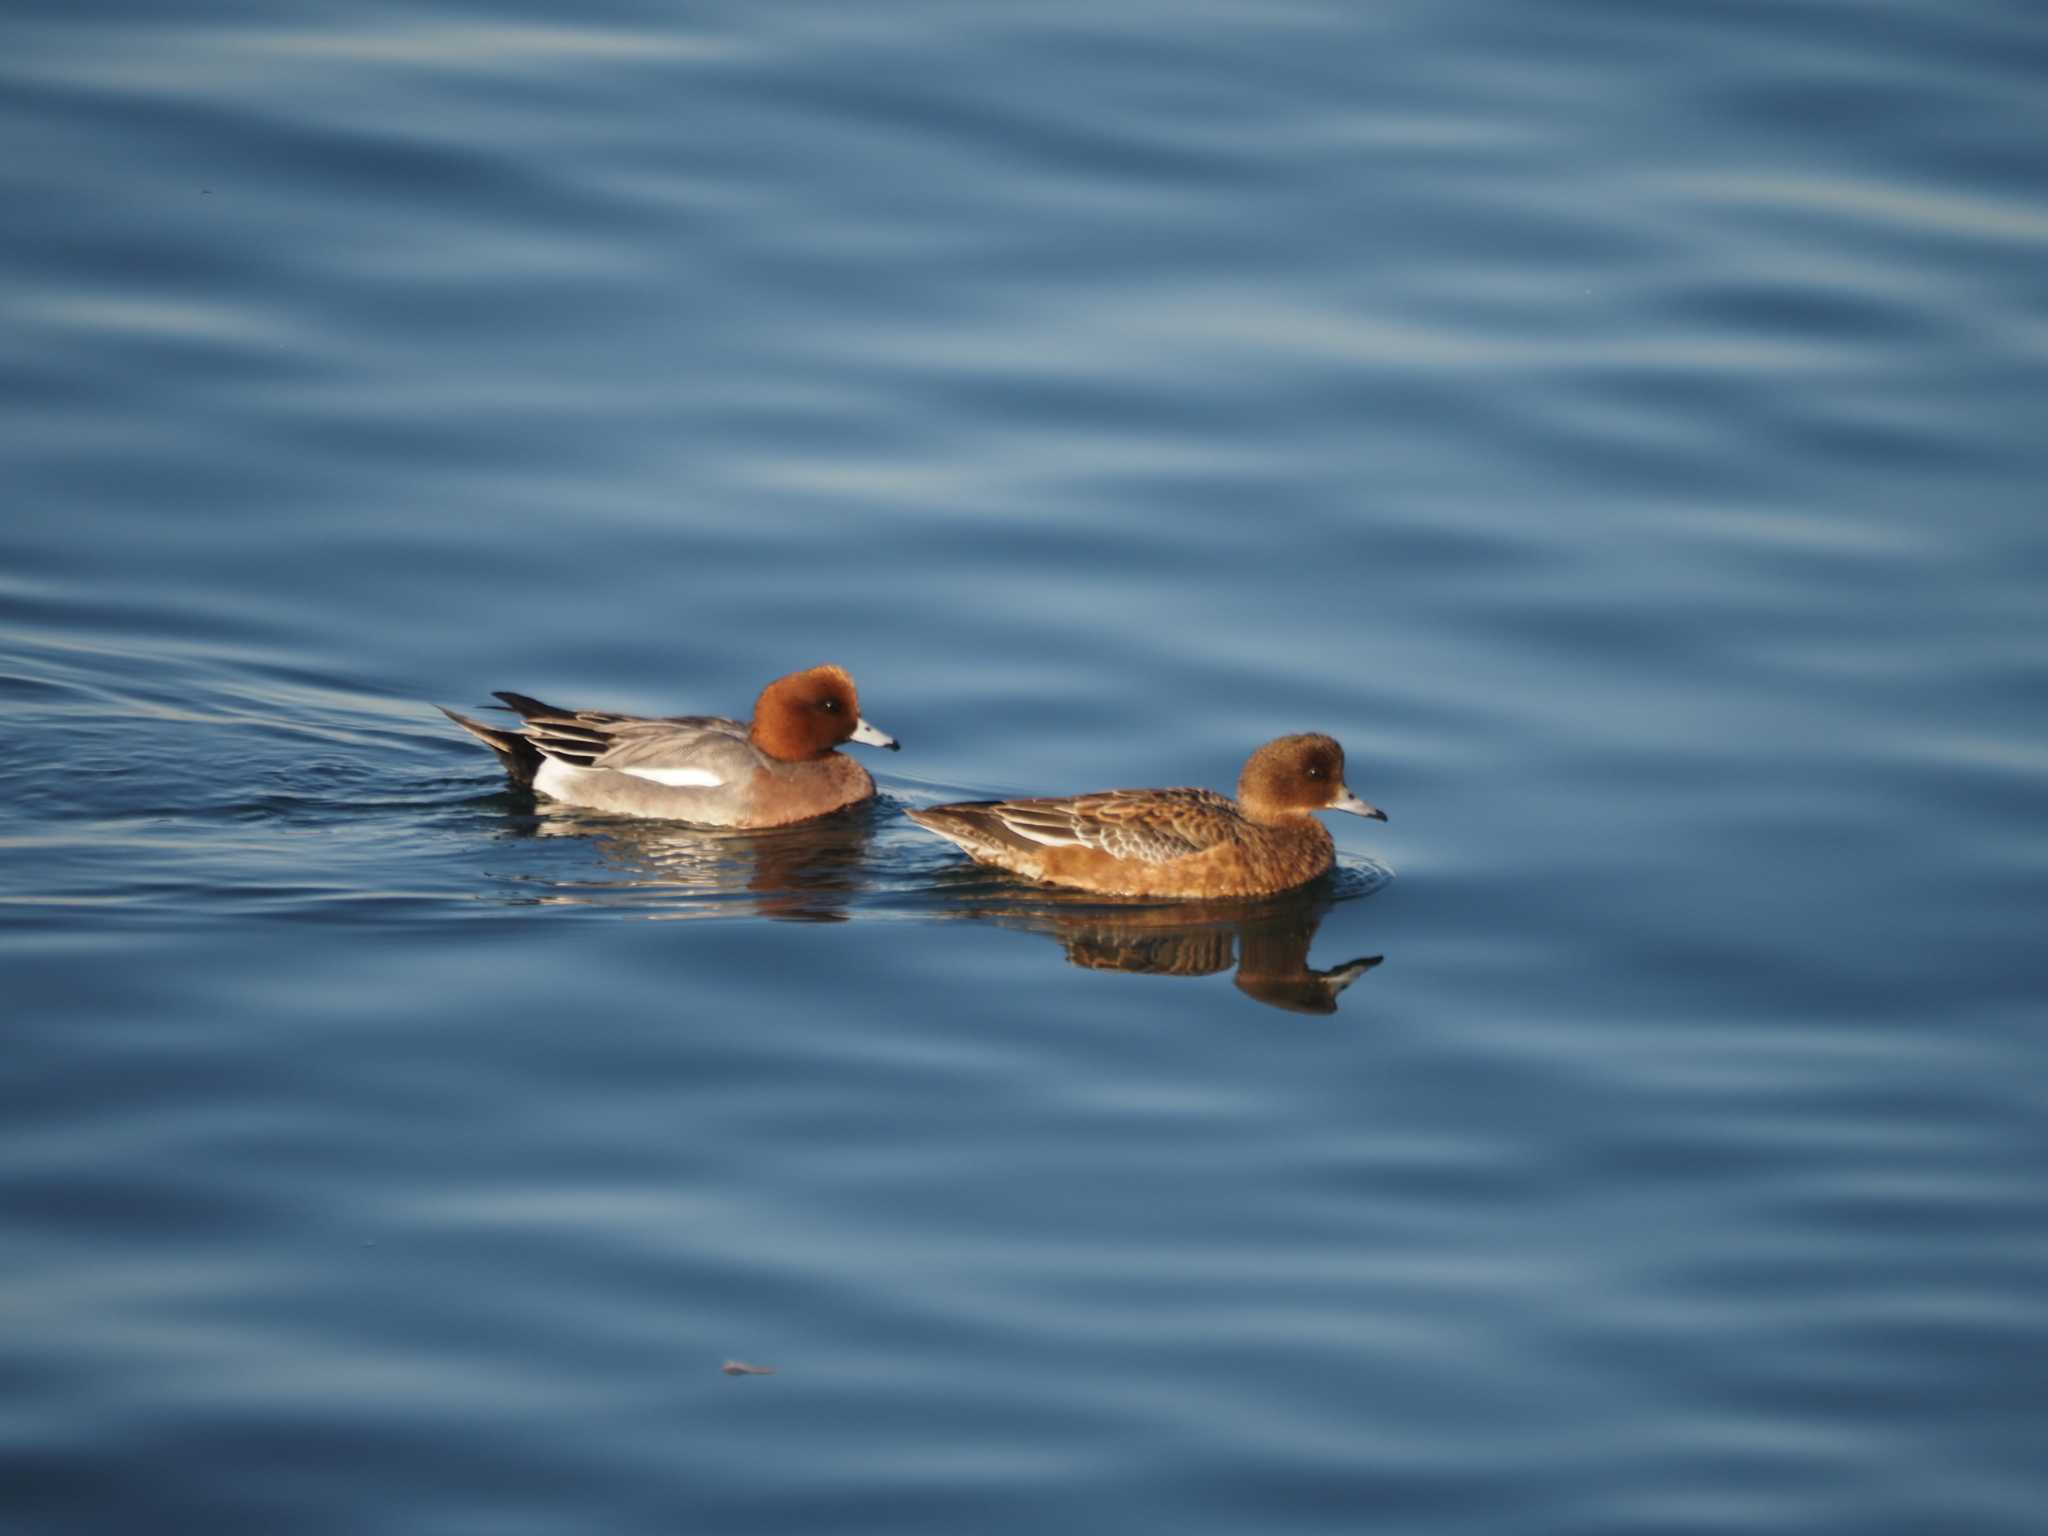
(1349, 802)
(1338, 977)
(868, 736)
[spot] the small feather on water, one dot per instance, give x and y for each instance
(741, 1368)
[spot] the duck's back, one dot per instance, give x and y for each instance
(1147, 826)
(678, 747)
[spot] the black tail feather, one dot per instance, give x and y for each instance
(521, 758)
(527, 706)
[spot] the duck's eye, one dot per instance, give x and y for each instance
(1315, 773)
(830, 706)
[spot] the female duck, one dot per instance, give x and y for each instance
(778, 768)
(1185, 843)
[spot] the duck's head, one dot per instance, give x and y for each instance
(808, 713)
(1295, 776)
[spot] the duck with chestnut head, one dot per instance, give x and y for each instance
(780, 767)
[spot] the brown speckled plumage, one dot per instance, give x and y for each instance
(1170, 842)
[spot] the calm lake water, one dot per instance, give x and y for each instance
(1621, 425)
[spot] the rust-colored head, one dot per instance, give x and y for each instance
(808, 713)
(1296, 775)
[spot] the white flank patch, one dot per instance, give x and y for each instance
(1041, 835)
(703, 778)
(556, 778)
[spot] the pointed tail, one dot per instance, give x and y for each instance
(520, 757)
(973, 825)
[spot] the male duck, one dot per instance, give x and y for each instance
(778, 768)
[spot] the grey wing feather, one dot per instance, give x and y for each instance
(591, 738)
(724, 754)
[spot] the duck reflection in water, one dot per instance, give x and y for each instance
(1267, 939)
(806, 874)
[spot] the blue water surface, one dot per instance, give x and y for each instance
(1621, 425)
